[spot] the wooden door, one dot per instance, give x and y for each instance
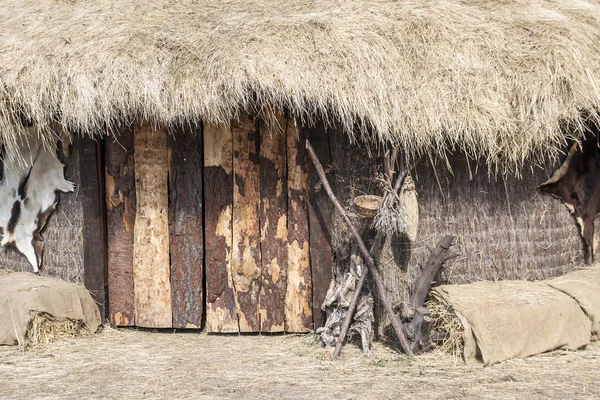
(212, 220)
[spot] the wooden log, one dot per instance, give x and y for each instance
(93, 232)
(186, 226)
(419, 329)
(245, 252)
(423, 283)
(351, 307)
(273, 227)
(221, 309)
(151, 270)
(298, 299)
(320, 211)
(363, 249)
(120, 217)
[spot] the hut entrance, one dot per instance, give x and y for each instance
(210, 228)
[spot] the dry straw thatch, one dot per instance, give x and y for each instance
(495, 78)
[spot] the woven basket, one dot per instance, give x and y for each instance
(367, 205)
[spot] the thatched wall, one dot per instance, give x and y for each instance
(505, 228)
(63, 249)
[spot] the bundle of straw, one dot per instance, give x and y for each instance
(391, 216)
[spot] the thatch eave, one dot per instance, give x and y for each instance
(497, 79)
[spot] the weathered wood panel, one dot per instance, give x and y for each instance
(298, 299)
(185, 226)
(91, 197)
(221, 309)
(273, 225)
(246, 250)
(151, 269)
(120, 216)
(319, 212)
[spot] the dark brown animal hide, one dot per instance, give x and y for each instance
(577, 184)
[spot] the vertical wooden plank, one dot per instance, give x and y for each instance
(93, 222)
(185, 227)
(120, 216)
(298, 299)
(221, 310)
(151, 271)
(246, 256)
(319, 213)
(273, 221)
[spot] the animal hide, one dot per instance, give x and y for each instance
(28, 195)
(577, 184)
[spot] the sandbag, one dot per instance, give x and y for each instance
(583, 285)
(23, 295)
(515, 319)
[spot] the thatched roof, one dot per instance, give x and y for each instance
(497, 78)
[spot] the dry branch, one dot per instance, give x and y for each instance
(419, 327)
(423, 283)
(361, 245)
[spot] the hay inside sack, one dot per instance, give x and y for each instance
(501, 320)
(447, 326)
(38, 309)
(44, 328)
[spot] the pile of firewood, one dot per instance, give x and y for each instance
(349, 308)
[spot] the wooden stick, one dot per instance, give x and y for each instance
(361, 245)
(374, 248)
(440, 254)
(388, 164)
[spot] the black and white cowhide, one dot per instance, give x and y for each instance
(28, 195)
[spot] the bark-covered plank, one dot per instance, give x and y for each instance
(273, 221)
(298, 301)
(92, 203)
(221, 309)
(151, 270)
(246, 256)
(120, 216)
(185, 226)
(319, 212)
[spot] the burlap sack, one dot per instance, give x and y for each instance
(515, 319)
(584, 286)
(23, 295)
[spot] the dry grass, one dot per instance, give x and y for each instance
(129, 364)
(497, 79)
(444, 320)
(44, 328)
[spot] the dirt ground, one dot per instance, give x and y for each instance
(133, 364)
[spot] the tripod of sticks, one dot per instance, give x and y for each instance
(419, 327)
